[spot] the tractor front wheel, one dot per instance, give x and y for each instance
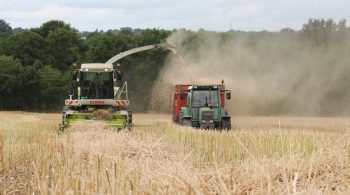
(226, 124)
(185, 121)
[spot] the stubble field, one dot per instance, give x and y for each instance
(261, 155)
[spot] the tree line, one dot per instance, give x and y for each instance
(35, 63)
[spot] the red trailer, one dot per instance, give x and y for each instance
(178, 101)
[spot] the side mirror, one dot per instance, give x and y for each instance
(228, 95)
(75, 75)
(182, 95)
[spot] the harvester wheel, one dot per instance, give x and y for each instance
(129, 116)
(60, 129)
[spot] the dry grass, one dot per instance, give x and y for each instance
(260, 156)
(103, 115)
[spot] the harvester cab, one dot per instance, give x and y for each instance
(99, 93)
(201, 106)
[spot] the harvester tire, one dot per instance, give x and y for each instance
(60, 129)
(129, 116)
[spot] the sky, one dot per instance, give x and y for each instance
(216, 15)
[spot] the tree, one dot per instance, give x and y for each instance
(51, 25)
(151, 36)
(63, 47)
(10, 71)
(5, 29)
(321, 32)
(28, 47)
(126, 31)
(18, 30)
(63, 41)
(103, 47)
(29, 89)
(53, 87)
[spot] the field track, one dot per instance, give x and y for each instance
(261, 155)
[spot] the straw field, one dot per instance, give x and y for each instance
(261, 155)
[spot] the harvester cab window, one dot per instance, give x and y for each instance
(89, 76)
(201, 98)
(97, 85)
(97, 80)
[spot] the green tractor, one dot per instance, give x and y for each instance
(201, 106)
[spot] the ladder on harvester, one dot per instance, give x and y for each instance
(122, 92)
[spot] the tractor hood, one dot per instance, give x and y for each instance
(197, 113)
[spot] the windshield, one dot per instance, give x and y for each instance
(97, 85)
(202, 98)
(90, 76)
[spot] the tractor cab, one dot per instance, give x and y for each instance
(204, 102)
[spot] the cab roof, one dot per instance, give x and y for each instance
(96, 67)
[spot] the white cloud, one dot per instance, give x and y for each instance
(51, 11)
(192, 14)
(244, 11)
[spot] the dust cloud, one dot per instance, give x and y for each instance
(268, 73)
